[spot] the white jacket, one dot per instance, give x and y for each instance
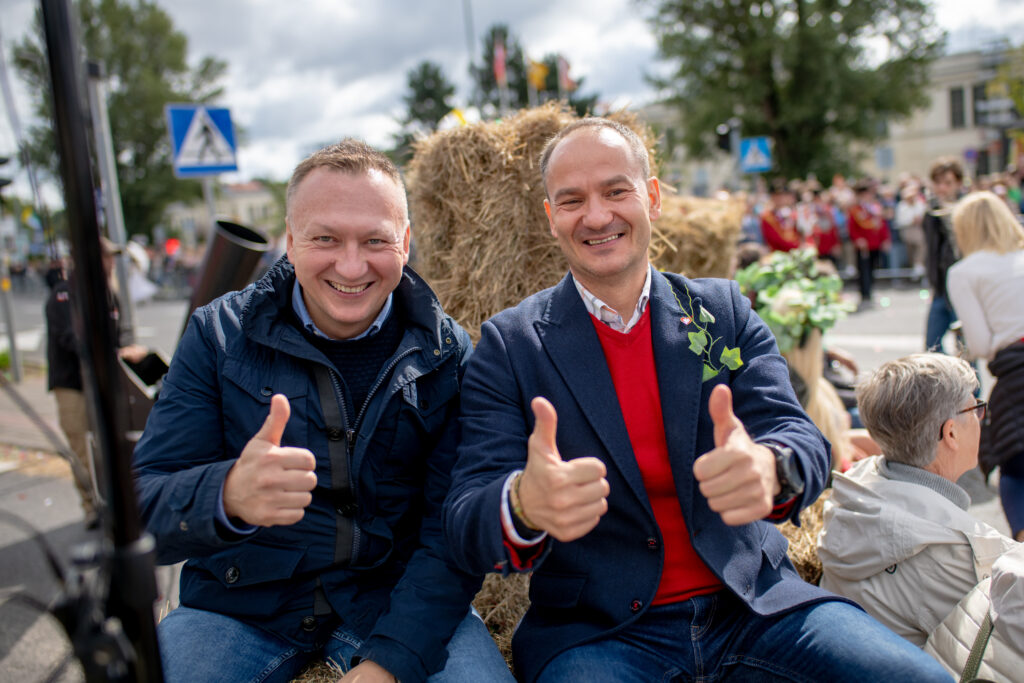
(1003, 595)
(899, 541)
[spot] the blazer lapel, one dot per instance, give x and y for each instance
(568, 336)
(680, 381)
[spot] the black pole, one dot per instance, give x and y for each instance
(130, 561)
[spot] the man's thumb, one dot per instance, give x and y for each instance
(273, 426)
(720, 410)
(545, 424)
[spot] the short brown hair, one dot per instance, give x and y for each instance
(348, 156)
(981, 220)
(905, 402)
(944, 165)
(635, 143)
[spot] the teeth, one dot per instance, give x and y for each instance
(348, 290)
(603, 241)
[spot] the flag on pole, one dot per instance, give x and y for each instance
(500, 76)
(565, 84)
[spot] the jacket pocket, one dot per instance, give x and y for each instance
(250, 564)
(774, 547)
(559, 591)
(261, 378)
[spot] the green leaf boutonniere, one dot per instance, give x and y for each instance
(703, 342)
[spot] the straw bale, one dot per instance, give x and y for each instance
(803, 539)
(502, 602)
(696, 237)
(476, 200)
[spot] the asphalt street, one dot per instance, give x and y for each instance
(36, 487)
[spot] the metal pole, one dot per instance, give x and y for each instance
(5, 296)
(211, 207)
(110, 188)
(130, 566)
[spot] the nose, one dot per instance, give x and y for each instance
(349, 262)
(597, 214)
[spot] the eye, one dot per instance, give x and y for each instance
(374, 241)
(570, 202)
(323, 239)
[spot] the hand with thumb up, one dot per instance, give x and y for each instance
(565, 498)
(738, 476)
(269, 485)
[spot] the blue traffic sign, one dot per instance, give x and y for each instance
(202, 138)
(756, 154)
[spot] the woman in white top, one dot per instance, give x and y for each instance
(987, 290)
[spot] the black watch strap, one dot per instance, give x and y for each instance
(791, 484)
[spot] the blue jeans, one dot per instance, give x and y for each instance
(940, 317)
(1011, 493)
(199, 646)
(715, 637)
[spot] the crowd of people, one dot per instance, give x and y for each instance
(339, 467)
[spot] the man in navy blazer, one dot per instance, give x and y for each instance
(629, 437)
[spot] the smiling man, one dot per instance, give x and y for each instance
(300, 451)
(630, 437)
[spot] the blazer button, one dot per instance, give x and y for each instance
(267, 391)
(232, 575)
(308, 624)
(636, 606)
(652, 543)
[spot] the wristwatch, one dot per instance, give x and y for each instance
(786, 471)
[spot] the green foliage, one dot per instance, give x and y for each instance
(799, 71)
(1009, 80)
(702, 342)
(145, 61)
(793, 296)
(487, 91)
(5, 360)
(427, 101)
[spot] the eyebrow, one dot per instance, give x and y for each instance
(614, 180)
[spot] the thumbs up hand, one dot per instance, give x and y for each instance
(738, 476)
(269, 485)
(564, 498)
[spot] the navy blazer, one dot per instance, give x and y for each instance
(547, 346)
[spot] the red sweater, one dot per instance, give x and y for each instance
(630, 358)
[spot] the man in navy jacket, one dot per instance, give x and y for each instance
(300, 451)
(629, 436)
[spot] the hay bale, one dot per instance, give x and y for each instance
(502, 602)
(803, 540)
(476, 200)
(696, 237)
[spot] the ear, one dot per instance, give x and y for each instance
(551, 223)
(654, 196)
(289, 240)
(406, 242)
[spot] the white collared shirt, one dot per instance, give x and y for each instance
(608, 315)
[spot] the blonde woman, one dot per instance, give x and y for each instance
(987, 290)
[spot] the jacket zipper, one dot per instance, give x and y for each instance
(350, 432)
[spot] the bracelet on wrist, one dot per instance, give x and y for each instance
(517, 504)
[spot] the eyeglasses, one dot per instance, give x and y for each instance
(979, 409)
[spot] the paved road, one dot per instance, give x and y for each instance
(38, 489)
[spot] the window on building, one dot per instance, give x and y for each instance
(978, 97)
(956, 108)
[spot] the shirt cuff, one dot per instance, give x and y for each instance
(508, 525)
(222, 517)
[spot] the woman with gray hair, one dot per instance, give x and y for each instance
(897, 536)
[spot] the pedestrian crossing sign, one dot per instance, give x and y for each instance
(756, 154)
(202, 138)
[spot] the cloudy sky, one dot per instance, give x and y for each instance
(308, 72)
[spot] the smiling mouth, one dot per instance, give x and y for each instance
(603, 240)
(348, 290)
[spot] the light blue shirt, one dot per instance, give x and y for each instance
(307, 321)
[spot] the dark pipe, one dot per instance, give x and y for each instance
(126, 601)
(229, 264)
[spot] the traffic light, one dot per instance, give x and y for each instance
(724, 133)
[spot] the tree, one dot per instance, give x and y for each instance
(145, 60)
(817, 76)
(1009, 83)
(427, 101)
(487, 91)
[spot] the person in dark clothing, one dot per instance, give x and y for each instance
(64, 373)
(947, 176)
(299, 455)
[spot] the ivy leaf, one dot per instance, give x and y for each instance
(705, 316)
(698, 340)
(709, 372)
(731, 358)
